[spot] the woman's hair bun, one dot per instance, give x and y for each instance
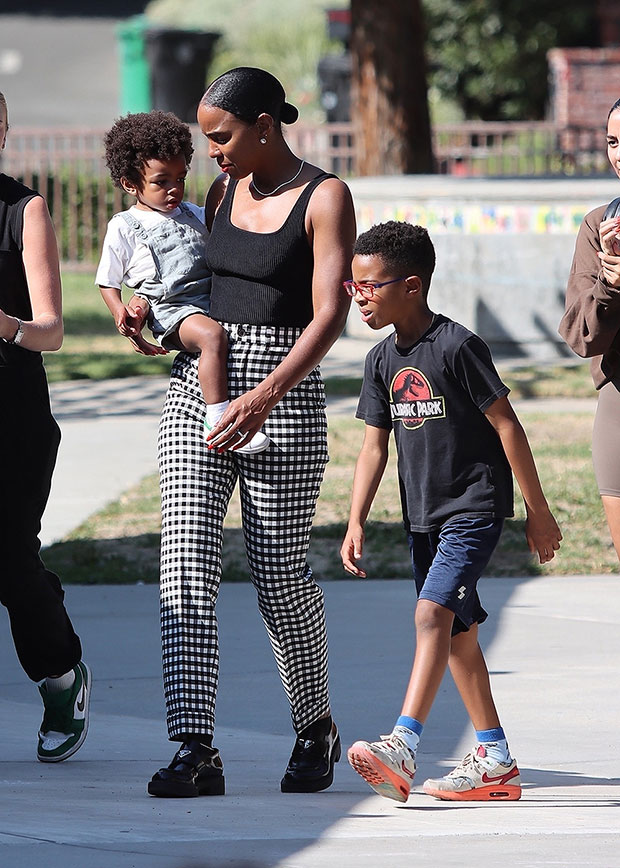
(288, 113)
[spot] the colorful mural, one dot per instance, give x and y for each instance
(478, 218)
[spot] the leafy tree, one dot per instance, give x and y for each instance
(490, 55)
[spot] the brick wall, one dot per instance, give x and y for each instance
(585, 83)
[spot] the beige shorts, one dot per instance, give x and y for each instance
(606, 441)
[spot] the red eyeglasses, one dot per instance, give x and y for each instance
(367, 290)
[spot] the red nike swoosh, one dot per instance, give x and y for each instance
(503, 779)
(406, 770)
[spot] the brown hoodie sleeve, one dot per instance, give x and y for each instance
(591, 321)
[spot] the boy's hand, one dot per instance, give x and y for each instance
(543, 534)
(351, 551)
(145, 348)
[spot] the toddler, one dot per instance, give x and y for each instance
(157, 248)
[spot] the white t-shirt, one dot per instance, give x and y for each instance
(125, 259)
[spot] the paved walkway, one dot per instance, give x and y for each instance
(552, 646)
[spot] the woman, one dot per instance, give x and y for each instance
(591, 327)
(282, 234)
(31, 321)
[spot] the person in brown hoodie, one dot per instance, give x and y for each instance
(591, 328)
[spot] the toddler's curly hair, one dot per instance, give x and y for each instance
(137, 138)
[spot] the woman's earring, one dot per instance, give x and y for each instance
(263, 140)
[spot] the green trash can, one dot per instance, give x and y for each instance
(135, 79)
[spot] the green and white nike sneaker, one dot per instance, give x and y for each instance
(65, 721)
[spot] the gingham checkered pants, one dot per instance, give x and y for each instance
(279, 488)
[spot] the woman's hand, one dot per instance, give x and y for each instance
(8, 326)
(609, 230)
(242, 420)
(610, 269)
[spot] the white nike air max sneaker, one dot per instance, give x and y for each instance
(387, 765)
(478, 778)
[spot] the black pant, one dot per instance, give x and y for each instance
(44, 638)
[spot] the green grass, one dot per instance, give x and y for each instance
(93, 349)
(121, 543)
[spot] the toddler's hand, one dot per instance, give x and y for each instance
(128, 321)
(145, 348)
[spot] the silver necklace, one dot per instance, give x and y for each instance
(283, 184)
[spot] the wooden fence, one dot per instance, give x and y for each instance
(67, 166)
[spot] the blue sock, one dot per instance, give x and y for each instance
(410, 730)
(495, 744)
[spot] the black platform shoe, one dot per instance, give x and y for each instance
(195, 770)
(311, 766)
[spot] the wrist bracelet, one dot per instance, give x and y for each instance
(19, 334)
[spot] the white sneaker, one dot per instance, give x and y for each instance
(387, 765)
(478, 778)
(258, 443)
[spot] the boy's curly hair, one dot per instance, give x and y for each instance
(137, 138)
(401, 246)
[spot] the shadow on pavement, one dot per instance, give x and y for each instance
(95, 807)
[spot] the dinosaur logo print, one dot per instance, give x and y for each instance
(412, 399)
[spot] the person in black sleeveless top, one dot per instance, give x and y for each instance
(31, 321)
(282, 233)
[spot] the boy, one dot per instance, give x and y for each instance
(433, 382)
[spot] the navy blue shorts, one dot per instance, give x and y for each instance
(448, 562)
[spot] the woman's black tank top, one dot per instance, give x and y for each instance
(262, 278)
(14, 296)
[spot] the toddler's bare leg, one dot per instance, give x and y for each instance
(200, 334)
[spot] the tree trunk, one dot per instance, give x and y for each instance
(389, 99)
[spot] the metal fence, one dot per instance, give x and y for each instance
(519, 149)
(67, 166)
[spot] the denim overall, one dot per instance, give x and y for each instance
(181, 285)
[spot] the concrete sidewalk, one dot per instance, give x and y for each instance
(552, 645)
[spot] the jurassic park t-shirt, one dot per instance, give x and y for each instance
(433, 395)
